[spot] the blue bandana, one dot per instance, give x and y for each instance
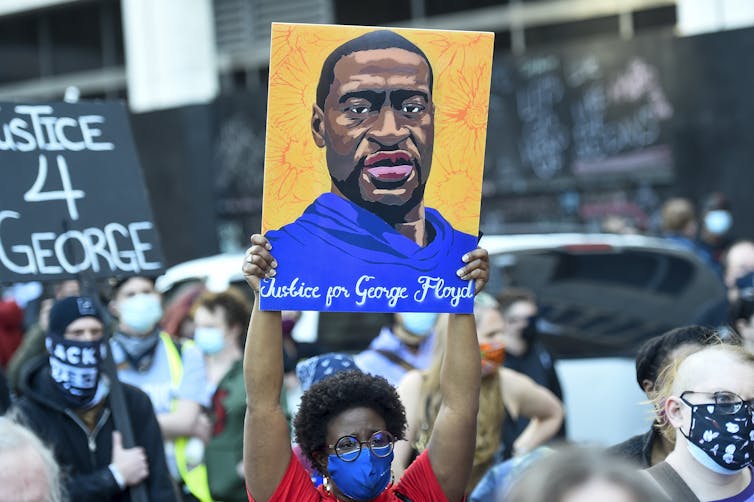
(317, 368)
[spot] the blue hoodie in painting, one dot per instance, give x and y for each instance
(340, 257)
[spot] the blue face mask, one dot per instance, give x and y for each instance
(418, 323)
(210, 340)
(718, 222)
(364, 478)
(141, 312)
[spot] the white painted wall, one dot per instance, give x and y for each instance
(702, 16)
(170, 53)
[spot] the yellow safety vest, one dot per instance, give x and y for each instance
(196, 478)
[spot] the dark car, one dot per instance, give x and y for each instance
(602, 294)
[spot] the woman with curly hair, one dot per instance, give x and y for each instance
(347, 424)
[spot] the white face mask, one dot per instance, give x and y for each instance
(141, 312)
(718, 222)
(210, 340)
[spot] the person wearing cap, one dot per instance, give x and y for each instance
(65, 400)
(650, 448)
(172, 374)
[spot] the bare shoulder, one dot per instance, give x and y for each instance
(515, 379)
(410, 384)
(514, 387)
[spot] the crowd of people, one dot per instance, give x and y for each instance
(110, 392)
(115, 394)
(438, 407)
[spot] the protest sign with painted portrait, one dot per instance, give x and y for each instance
(373, 167)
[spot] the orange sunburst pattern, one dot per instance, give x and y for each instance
(295, 169)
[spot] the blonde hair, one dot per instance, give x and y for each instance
(668, 375)
(489, 419)
(677, 214)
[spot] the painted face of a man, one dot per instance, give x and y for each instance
(378, 127)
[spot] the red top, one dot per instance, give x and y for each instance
(11, 329)
(418, 484)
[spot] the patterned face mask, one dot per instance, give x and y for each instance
(723, 431)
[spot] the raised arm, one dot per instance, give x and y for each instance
(451, 446)
(523, 397)
(409, 391)
(267, 442)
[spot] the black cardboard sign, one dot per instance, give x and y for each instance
(72, 196)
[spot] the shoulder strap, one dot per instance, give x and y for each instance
(671, 482)
(396, 359)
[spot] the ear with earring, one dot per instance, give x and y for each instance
(326, 484)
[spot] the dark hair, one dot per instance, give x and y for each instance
(340, 392)
(715, 201)
(234, 305)
(117, 282)
(374, 40)
(742, 308)
(652, 355)
(509, 296)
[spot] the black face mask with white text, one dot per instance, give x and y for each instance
(75, 368)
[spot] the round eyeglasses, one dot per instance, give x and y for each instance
(727, 403)
(348, 448)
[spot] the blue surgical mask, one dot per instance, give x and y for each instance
(210, 340)
(364, 478)
(718, 222)
(141, 312)
(418, 323)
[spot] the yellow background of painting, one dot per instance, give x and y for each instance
(295, 168)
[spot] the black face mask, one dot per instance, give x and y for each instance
(745, 286)
(75, 368)
(726, 439)
(530, 332)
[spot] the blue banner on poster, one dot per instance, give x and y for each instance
(357, 120)
(365, 263)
